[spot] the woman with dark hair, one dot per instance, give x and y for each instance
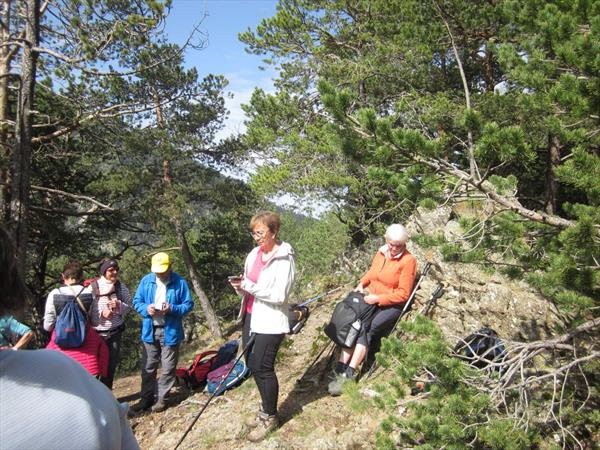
(265, 286)
(93, 352)
(48, 400)
(111, 305)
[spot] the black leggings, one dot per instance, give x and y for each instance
(261, 361)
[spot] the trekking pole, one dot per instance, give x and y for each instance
(412, 295)
(325, 347)
(325, 294)
(189, 428)
(437, 293)
(306, 303)
(406, 306)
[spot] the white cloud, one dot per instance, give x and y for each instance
(241, 86)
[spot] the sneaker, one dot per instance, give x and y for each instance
(139, 407)
(159, 406)
(266, 424)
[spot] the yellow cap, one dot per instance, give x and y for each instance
(160, 263)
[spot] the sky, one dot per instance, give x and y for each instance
(221, 21)
(224, 54)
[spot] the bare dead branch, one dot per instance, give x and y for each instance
(74, 196)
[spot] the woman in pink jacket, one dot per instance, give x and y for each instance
(93, 353)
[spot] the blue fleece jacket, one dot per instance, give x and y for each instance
(178, 296)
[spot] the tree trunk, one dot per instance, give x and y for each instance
(552, 160)
(211, 318)
(21, 157)
(5, 60)
(473, 170)
(489, 69)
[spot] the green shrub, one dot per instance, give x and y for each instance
(451, 414)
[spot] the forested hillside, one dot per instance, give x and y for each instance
(388, 111)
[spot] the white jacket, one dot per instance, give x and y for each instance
(271, 291)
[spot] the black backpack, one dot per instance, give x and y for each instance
(481, 348)
(349, 318)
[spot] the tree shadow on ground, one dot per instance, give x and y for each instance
(175, 396)
(311, 386)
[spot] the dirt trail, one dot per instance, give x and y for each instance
(311, 419)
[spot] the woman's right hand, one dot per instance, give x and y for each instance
(359, 288)
(236, 282)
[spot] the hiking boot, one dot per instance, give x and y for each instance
(139, 407)
(253, 421)
(159, 406)
(335, 387)
(266, 424)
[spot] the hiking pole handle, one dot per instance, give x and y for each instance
(189, 428)
(439, 291)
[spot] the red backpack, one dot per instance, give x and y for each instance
(194, 377)
(93, 282)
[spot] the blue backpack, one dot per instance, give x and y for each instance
(71, 324)
(226, 377)
(225, 354)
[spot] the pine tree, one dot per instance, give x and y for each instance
(494, 104)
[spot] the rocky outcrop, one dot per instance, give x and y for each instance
(474, 296)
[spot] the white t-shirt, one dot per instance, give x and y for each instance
(160, 298)
(50, 402)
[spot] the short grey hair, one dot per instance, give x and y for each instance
(396, 233)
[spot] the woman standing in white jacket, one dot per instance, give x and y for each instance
(265, 286)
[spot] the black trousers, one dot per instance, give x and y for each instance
(246, 335)
(380, 326)
(113, 342)
(260, 358)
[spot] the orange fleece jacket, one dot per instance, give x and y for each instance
(391, 279)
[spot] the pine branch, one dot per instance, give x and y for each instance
(483, 186)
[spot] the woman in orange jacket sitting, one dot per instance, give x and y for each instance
(389, 283)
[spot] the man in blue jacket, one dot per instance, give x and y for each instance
(162, 299)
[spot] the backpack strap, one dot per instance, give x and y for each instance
(116, 290)
(95, 289)
(201, 356)
(80, 303)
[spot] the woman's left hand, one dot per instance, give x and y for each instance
(371, 299)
